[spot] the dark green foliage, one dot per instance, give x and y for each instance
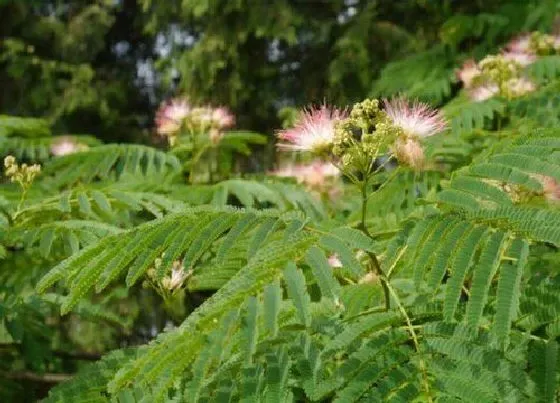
(188, 279)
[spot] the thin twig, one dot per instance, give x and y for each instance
(35, 377)
(371, 255)
(414, 340)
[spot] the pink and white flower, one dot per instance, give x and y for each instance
(315, 175)
(520, 86)
(468, 72)
(551, 188)
(522, 58)
(520, 44)
(220, 117)
(334, 261)
(417, 119)
(483, 92)
(171, 115)
(223, 117)
(314, 130)
(64, 146)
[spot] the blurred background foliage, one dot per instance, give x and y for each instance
(102, 67)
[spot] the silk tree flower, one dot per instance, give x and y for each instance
(522, 58)
(520, 44)
(207, 116)
(551, 188)
(483, 92)
(417, 119)
(223, 117)
(468, 72)
(64, 146)
(556, 43)
(320, 177)
(313, 131)
(520, 86)
(334, 261)
(171, 115)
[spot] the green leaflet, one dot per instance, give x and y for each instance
(488, 263)
(316, 259)
(295, 283)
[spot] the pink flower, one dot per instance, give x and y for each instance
(416, 119)
(318, 173)
(220, 118)
(334, 261)
(171, 115)
(556, 43)
(469, 71)
(409, 152)
(551, 188)
(520, 86)
(520, 44)
(521, 58)
(321, 178)
(483, 92)
(314, 131)
(64, 146)
(315, 175)
(223, 117)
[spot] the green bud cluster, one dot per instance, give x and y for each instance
(505, 74)
(363, 136)
(497, 69)
(543, 44)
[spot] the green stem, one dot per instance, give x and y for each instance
(414, 336)
(364, 208)
(372, 257)
(21, 201)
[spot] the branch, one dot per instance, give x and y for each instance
(75, 355)
(32, 376)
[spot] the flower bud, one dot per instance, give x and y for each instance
(410, 152)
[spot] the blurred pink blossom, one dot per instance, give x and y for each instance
(551, 187)
(174, 113)
(520, 44)
(318, 176)
(171, 115)
(65, 145)
(522, 58)
(520, 86)
(468, 72)
(334, 261)
(483, 92)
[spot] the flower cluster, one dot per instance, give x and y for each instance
(496, 75)
(503, 74)
(65, 146)
(23, 174)
(179, 114)
(371, 129)
(363, 136)
(535, 44)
